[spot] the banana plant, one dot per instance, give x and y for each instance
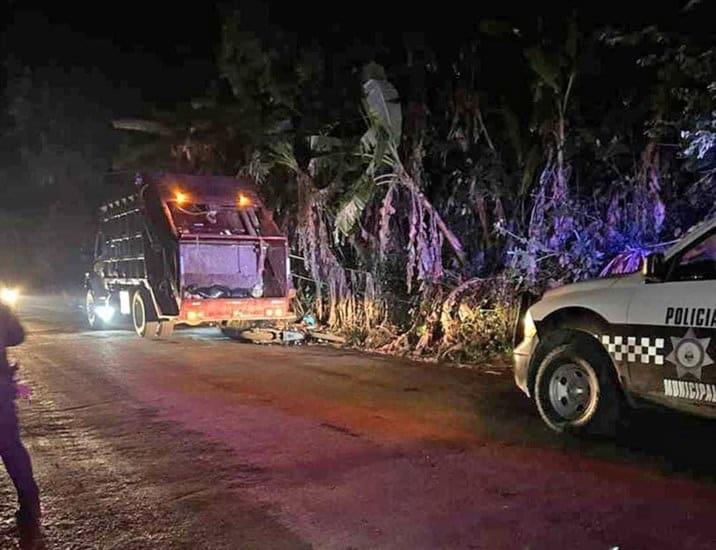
(386, 177)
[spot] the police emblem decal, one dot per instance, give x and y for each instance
(690, 354)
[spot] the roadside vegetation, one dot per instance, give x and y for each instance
(424, 185)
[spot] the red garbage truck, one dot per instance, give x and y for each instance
(188, 250)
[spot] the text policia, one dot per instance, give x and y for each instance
(691, 316)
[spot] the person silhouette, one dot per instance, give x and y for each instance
(13, 452)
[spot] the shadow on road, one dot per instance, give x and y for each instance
(685, 444)
(667, 441)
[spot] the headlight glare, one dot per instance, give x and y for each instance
(9, 296)
(105, 312)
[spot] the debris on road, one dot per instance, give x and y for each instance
(326, 337)
(292, 335)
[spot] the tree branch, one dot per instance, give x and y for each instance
(141, 125)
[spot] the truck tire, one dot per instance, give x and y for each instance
(93, 320)
(144, 317)
(575, 391)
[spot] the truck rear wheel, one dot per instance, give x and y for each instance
(144, 317)
(93, 320)
(575, 391)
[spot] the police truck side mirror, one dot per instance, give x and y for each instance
(654, 267)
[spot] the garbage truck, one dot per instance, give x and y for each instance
(188, 250)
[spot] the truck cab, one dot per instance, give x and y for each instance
(188, 250)
(589, 350)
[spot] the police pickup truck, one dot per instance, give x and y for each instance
(588, 350)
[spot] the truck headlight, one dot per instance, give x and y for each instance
(9, 296)
(257, 291)
(105, 312)
(529, 326)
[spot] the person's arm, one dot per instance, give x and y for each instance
(12, 332)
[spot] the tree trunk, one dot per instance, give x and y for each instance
(450, 237)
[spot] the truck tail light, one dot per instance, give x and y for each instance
(194, 315)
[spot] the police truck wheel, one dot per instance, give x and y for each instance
(93, 320)
(144, 317)
(575, 391)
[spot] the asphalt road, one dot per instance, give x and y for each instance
(202, 442)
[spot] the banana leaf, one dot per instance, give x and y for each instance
(353, 205)
(383, 106)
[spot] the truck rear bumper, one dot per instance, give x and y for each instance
(197, 312)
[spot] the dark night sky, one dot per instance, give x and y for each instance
(128, 42)
(166, 49)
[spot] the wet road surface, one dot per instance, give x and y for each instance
(202, 442)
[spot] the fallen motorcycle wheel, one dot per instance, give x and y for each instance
(233, 329)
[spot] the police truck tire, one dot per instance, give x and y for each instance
(93, 320)
(575, 391)
(144, 318)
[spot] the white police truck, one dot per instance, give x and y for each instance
(588, 350)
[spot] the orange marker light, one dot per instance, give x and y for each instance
(243, 201)
(181, 198)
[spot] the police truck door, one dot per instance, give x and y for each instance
(672, 323)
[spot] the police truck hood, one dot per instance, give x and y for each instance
(596, 284)
(607, 297)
